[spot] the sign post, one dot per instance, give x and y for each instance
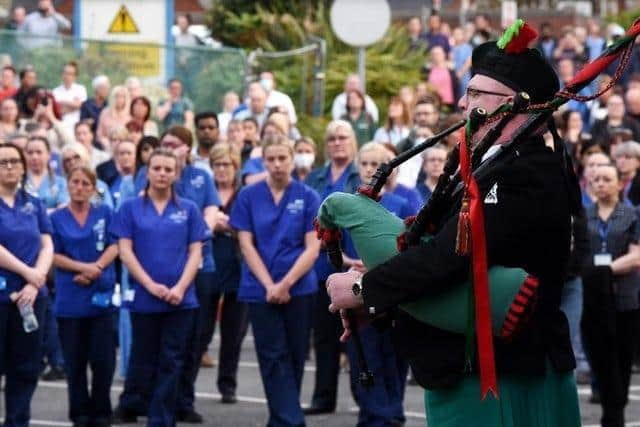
(360, 23)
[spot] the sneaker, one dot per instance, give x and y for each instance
(190, 417)
(123, 416)
(55, 373)
(206, 361)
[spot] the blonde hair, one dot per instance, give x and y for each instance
(112, 97)
(79, 149)
(333, 127)
(375, 148)
(277, 141)
(222, 150)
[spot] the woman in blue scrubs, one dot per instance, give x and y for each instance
(274, 220)
(26, 253)
(84, 281)
(160, 241)
(225, 163)
(194, 184)
(339, 174)
(75, 155)
(51, 188)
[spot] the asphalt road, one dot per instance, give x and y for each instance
(49, 407)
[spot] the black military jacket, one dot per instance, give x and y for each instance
(527, 225)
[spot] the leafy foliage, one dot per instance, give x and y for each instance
(281, 25)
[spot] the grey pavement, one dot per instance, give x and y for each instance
(49, 407)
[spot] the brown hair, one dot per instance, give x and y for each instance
(87, 172)
(160, 152)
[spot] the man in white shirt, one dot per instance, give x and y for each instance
(339, 107)
(275, 98)
(70, 96)
(256, 105)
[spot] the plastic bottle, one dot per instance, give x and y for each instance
(29, 320)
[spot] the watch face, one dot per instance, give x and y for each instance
(356, 289)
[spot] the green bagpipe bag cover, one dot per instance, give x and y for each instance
(374, 230)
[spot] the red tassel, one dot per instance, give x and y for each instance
(463, 238)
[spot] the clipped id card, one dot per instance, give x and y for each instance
(602, 260)
(129, 295)
(3, 283)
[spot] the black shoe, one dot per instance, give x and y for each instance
(583, 378)
(317, 410)
(123, 416)
(595, 397)
(190, 417)
(229, 398)
(55, 373)
(101, 422)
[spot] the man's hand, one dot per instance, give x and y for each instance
(361, 318)
(340, 290)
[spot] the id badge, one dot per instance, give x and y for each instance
(99, 246)
(602, 260)
(3, 283)
(129, 295)
(101, 299)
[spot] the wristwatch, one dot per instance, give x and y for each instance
(357, 287)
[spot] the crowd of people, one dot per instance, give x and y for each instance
(137, 221)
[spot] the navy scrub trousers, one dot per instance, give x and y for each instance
(20, 355)
(158, 354)
(89, 340)
(281, 333)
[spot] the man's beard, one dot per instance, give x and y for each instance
(207, 143)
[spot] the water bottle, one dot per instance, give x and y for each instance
(29, 320)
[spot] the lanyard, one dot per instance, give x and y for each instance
(603, 231)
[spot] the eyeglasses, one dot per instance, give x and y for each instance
(71, 158)
(5, 163)
(220, 165)
(474, 93)
(336, 138)
(210, 127)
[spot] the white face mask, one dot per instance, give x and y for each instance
(303, 160)
(267, 84)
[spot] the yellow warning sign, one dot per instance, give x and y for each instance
(123, 22)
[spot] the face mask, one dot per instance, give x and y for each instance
(303, 160)
(267, 84)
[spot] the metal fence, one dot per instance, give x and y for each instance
(207, 73)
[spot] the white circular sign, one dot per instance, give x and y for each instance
(360, 22)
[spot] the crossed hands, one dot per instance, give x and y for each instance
(172, 296)
(278, 293)
(90, 272)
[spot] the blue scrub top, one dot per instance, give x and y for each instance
(161, 245)
(85, 244)
(323, 267)
(411, 196)
(252, 167)
(103, 195)
(52, 191)
(195, 185)
(278, 234)
(21, 227)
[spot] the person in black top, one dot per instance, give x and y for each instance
(527, 223)
(611, 285)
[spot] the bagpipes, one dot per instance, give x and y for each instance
(496, 301)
